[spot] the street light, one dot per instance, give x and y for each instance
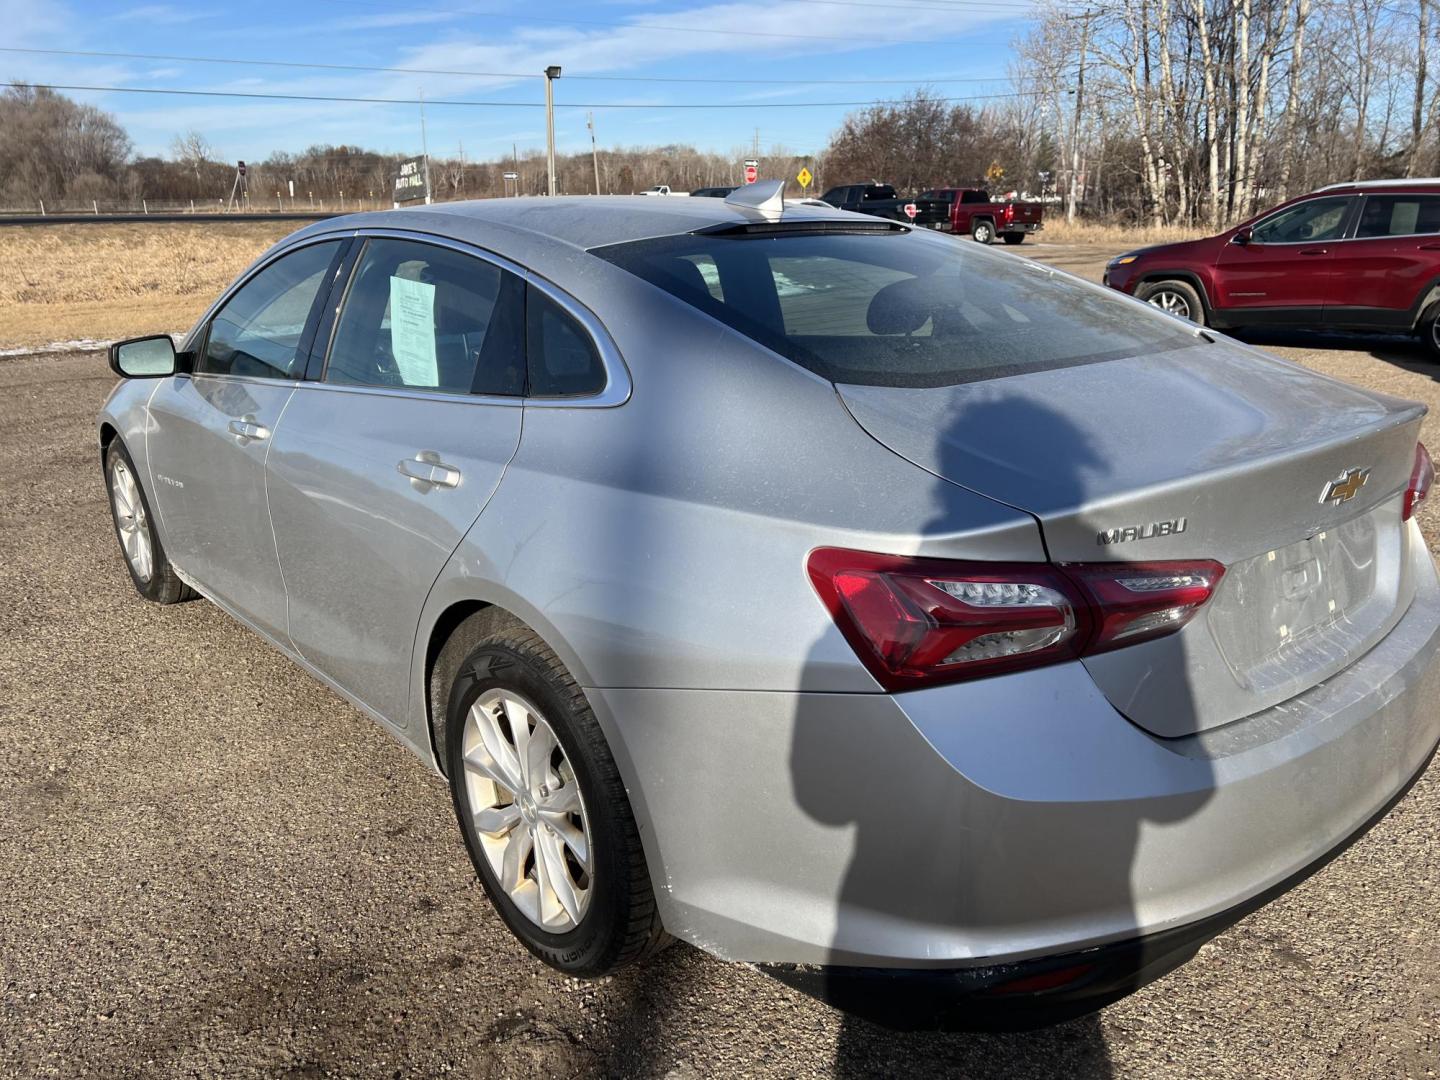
(551, 74)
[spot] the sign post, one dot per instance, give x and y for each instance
(752, 170)
(804, 177)
(512, 178)
(412, 181)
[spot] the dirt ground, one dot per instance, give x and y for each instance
(211, 866)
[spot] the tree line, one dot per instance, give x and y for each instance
(1206, 111)
(1155, 111)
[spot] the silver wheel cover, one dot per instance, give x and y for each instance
(130, 521)
(528, 813)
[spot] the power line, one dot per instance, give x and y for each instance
(501, 74)
(523, 104)
(511, 18)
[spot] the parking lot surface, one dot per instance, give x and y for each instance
(212, 866)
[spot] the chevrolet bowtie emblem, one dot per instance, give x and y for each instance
(1345, 487)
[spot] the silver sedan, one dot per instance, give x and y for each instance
(962, 642)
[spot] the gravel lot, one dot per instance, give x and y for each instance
(211, 866)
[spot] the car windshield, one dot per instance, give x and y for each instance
(897, 308)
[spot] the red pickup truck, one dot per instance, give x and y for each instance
(973, 212)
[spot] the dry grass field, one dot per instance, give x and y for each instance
(1117, 236)
(68, 282)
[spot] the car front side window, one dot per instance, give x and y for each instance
(259, 330)
(1308, 222)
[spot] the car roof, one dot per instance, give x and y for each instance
(581, 221)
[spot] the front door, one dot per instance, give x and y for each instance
(1287, 264)
(211, 431)
(383, 464)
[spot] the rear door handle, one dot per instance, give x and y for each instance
(1314, 251)
(427, 468)
(247, 428)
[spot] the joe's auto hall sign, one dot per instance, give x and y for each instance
(410, 181)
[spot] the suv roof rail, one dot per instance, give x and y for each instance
(1409, 181)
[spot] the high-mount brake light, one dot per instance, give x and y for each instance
(919, 622)
(1421, 477)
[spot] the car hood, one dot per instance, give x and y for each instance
(1202, 250)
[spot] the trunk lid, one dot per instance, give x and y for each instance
(1216, 452)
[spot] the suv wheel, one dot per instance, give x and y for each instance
(540, 801)
(1174, 298)
(983, 231)
(1430, 332)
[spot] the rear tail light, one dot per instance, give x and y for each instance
(917, 622)
(1421, 477)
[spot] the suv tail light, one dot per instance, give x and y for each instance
(1421, 477)
(918, 622)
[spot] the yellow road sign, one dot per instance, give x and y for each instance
(804, 177)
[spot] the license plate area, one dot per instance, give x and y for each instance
(1310, 605)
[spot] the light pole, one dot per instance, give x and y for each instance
(551, 74)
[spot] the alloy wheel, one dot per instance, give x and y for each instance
(130, 521)
(1172, 303)
(528, 812)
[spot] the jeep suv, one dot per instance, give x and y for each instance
(1357, 256)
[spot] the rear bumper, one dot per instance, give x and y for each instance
(1043, 991)
(973, 827)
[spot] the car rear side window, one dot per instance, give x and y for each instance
(563, 360)
(259, 330)
(1399, 215)
(885, 308)
(424, 317)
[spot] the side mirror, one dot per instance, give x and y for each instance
(146, 358)
(1242, 236)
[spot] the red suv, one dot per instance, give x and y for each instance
(1360, 256)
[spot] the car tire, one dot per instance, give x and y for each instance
(1430, 332)
(1176, 298)
(983, 232)
(1015, 238)
(500, 671)
(150, 570)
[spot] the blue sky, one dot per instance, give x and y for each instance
(958, 48)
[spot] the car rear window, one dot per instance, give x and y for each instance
(897, 308)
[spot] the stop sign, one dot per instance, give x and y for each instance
(752, 173)
(911, 210)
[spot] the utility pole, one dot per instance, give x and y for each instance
(594, 153)
(424, 148)
(462, 166)
(551, 74)
(1084, 18)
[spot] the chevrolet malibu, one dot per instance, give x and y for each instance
(962, 643)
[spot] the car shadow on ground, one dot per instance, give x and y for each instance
(1401, 350)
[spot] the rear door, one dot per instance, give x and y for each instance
(390, 451)
(1288, 263)
(1379, 274)
(212, 431)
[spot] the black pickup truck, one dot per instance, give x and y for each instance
(880, 200)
